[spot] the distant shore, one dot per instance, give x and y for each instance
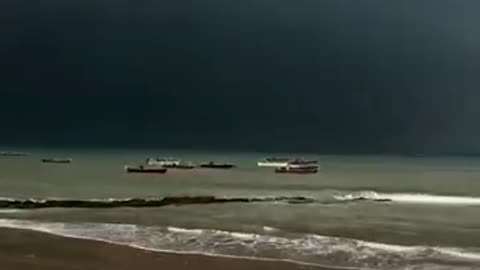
(30, 250)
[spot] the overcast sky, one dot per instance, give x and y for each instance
(329, 76)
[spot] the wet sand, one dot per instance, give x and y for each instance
(29, 250)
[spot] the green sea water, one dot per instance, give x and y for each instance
(429, 215)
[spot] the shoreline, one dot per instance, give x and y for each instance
(22, 249)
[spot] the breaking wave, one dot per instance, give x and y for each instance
(301, 248)
(326, 198)
(416, 198)
(138, 202)
(10, 211)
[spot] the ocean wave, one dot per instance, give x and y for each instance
(10, 211)
(269, 229)
(182, 230)
(139, 202)
(417, 198)
(331, 197)
(307, 248)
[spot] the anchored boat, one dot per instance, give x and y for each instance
(145, 169)
(306, 169)
(12, 154)
(214, 165)
(57, 160)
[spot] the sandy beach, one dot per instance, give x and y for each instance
(30, 250)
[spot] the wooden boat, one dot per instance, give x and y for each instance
(214, 165)
(57, 160)
(12, 154)
(298, 170)
(145, 169)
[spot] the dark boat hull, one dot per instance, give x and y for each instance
(217, 166)
(13, 154)
(140, 170)
(297, 170)
(58, 161)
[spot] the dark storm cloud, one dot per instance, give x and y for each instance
(331, 76)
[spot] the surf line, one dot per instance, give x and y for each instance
(138, 202)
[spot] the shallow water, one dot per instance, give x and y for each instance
(382, 212)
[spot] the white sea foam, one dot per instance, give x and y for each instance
(455, 252)
(307, 249)
(9, 211)
(269, 229)
(242, 235)
(182, 230)
(417, 198)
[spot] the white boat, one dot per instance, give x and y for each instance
(167, 162)
(273, 162)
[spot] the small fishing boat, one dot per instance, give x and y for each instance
(12, 154)
(145, 169)
(162, 162)
(273, 162)
(57, 160)
(214, 165)
(298, 169)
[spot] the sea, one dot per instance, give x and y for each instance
(358, 212)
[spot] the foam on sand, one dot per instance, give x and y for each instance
(306, 249)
